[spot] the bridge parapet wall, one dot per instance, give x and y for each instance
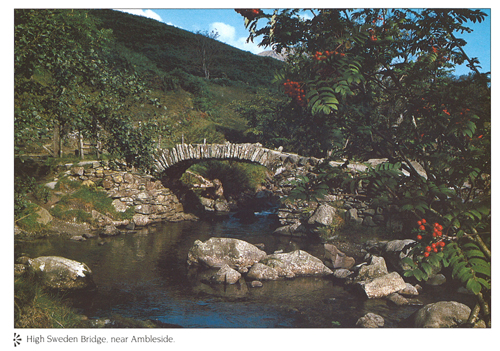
(188, 154)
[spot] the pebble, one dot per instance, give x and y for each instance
(256, 284)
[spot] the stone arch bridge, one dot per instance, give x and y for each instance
(173, 162)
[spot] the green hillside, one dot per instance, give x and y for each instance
(128, 81)
(171, 48)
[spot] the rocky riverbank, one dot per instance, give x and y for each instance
(233, 268)
(228, 261)
(141, 198)
(367, 265)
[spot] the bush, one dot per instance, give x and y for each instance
(236, 177)
(24, 185)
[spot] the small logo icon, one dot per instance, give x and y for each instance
(17, 339)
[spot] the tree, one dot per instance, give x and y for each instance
(66, 80)
(57, 58)
(207, 49)
(382, 79)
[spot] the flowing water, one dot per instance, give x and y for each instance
(144, 275)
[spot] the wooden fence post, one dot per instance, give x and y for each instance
(80, 146)
(57, 139)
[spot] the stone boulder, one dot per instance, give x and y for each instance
(109, 230)
(398, 299)
(208, 204)
(382, 286)
(260, 271)
(442, 314)
(352, 216)
(221, 205)
(409, 290)
(370, 320)
(140, 220)
(437, 279)
(294, 229)
(217, 252)
(44, 217)
(376, 268)
(323, 216)
(226, 275)
(296, 263)
(62, 273)
(342, 273)
(119, 205)
(395, 251)
(337, 258)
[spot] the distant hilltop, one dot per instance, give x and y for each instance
(271, 53)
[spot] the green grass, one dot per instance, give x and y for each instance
(28, 219)
(78, 206)
(36, 308)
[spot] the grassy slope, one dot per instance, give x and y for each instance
(169, 48)
(156, 49)
(177, 97)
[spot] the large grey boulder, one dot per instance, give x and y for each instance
(337, 258)
(221, 205)
(396, 250)
(44, 217)
(296, 263)
(323, 216)
(352, 216)
(294, 229)
(226, 275)
(62, 273)
(140, 220)
(383, 286)
(376, 268)
(442, 314)
(260, 271)
(409, 290)
(217, 252)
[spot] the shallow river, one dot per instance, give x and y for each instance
(144, 275)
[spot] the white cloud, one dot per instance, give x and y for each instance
(143, 13)
(226, 31)
(227, 34)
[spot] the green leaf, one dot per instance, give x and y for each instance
(409, 262)
(457, 268)
(419, 275)
(473, 286)
(474, 253)
(465, 274)
(482, 269)
(427, 268)
(484, 283)
(408, 273)
(434, 260)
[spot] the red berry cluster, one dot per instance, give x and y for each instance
(373, 37)
(295, 91)
(249, 13)
(436, 243)
(321, 56)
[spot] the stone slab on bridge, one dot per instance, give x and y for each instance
(176, 160)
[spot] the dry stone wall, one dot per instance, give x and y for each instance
(149, 199)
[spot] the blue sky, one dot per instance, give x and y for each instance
(230, 27)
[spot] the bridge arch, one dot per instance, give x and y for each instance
(173, 162)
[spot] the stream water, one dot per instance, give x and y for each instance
(144, 275)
